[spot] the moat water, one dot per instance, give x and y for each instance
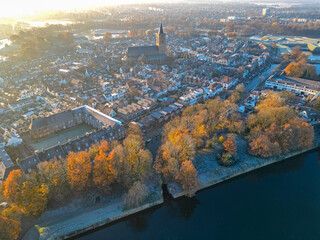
(280, 201)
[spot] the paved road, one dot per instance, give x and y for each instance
(260, 79)
(60, 225)
(254, 83)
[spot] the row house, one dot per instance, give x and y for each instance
(214, 89)
(167, 112)
(21, 103)
(228, 82)
(116, 95)
(130, 112)
(147, 103)
(191, 98)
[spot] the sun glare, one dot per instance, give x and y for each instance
(13, 8)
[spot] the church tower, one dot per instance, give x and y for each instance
(161, 41)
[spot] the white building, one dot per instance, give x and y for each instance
(110, 97)
(266, 12)
(26, 93)
(191, 98)
(297, 85)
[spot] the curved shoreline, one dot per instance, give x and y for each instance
(88, 221)
(177, 192)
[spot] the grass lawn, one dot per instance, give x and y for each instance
(61, 136)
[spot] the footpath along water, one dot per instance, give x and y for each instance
(280, 201)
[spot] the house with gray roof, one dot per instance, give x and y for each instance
(6, 164)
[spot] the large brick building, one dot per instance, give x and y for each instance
(42, 127)
(106, 128)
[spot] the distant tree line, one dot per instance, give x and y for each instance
(35, 40)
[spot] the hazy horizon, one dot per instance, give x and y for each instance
(31, 7)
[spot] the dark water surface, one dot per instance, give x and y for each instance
(281, 201)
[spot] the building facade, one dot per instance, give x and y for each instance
(42, 127)
(297, 85)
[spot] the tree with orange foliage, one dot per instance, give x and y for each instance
(34, 198)
(295, 53)
(133, 33)
(13, 212)
(138, 160)
(188, 178)
(107, 37)
(96, 148)
(79, 169)
(263, 147)
(12, 186)
(131, 160)
(167, 162)
(104, 146)
(54, 175)
(9, 228)
(304, 133)
(230, 145)
(104, 172)
(93, 151)
(178, 146)
(302, 69)
(284, 135)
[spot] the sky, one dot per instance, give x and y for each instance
(12, 8)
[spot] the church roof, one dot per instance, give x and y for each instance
(156, 57)
(143, 49)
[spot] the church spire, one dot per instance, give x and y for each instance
(161, 29)
(161, 40)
